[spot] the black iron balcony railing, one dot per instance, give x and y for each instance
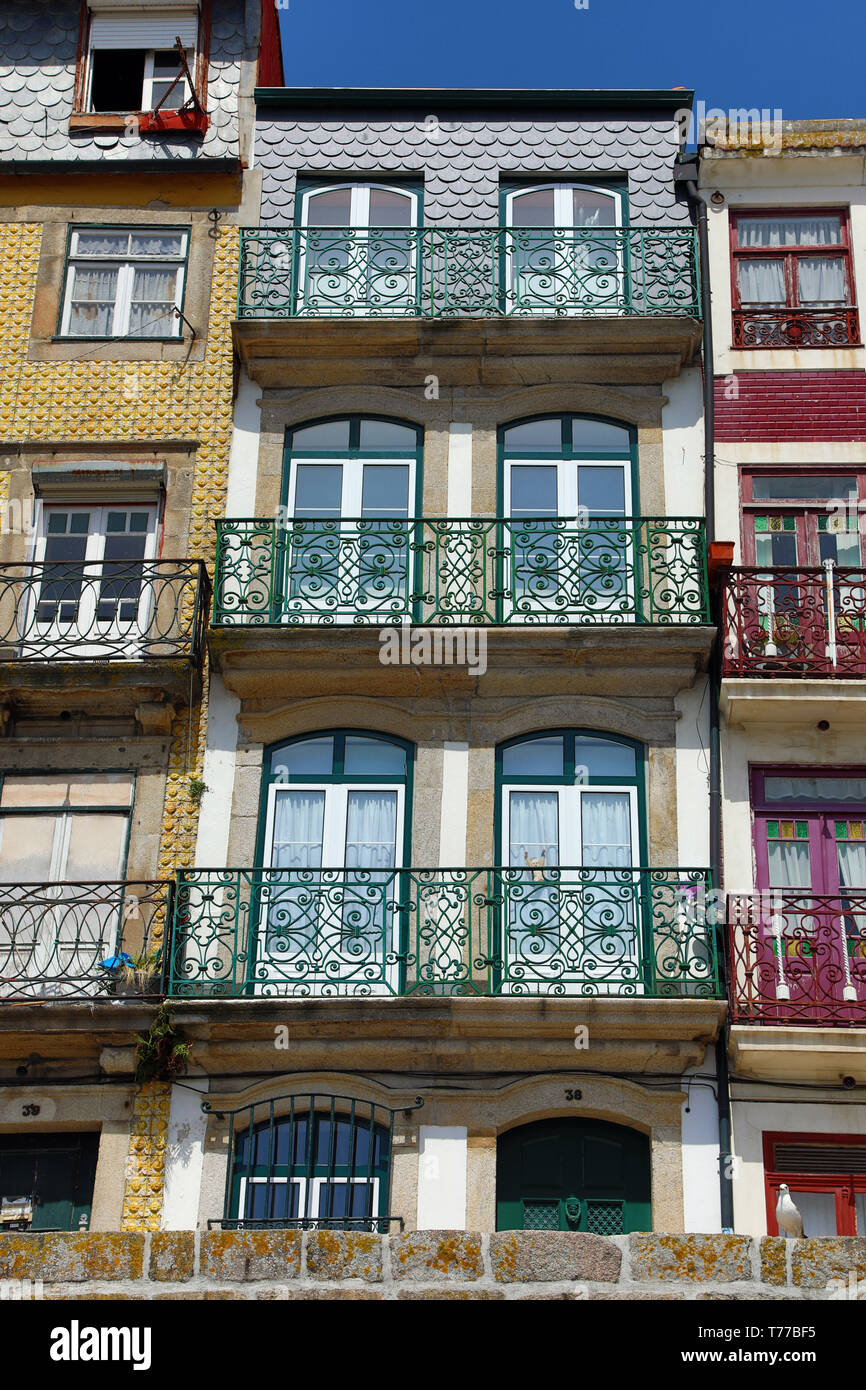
(798, 958)
(795, 622)
(111, 610)
(474, 571)
(796, 328)
(450, 272)
(628, 932)
(83, 940)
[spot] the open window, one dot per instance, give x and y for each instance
(151, 66)
(826, 1176)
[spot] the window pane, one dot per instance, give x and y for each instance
(165, 244)
(606, 829)
(152, 313)
(533, 491)
(101, 243)
(314, 757)
(385, 490)
(101, 789)
(299, 819)
(374, 757)
(598, 434)
(371, 831)
(789, 863)
(789, 230)
(331, 434)
(860, 1209)
(822, 280)
(533, 209)
(94, 290)
(811, 486)
(330, 208)
(26, 846)
(593, 209)
(545, 436)
(96, 847)
(382, 434)
(761, 282)
(601, 489)
(319, 490)
(602, 758)
(818, 1210)
(538, 757)
(533, 829)
(55, 789)
(827, 789)
(389, 209)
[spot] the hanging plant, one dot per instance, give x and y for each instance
(161, 1054)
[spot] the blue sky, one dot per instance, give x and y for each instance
(807, 58)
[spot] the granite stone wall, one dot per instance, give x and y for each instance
(332, 1265)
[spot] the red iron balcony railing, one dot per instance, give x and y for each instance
(795, 622)
(798, 958)
(796, 328)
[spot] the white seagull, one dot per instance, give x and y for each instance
(788, 1217)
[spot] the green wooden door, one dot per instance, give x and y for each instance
(55, 1172)
(573, 1175)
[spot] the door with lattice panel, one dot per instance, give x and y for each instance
(572, 1174)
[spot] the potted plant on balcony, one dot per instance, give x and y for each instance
(133, 976)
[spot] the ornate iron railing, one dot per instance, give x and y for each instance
(83, 940)
(795, 622)
(796, 328)
(798, 958)
(308, 1162)
(514, 931)
(441, 272)
(111, 610)
(454, 572)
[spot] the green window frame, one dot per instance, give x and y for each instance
(567, 453)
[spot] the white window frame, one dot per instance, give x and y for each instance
(359, 219)
(147, 101)
(94, 554)
(126, 266)
(315, 1186)
(351, 494)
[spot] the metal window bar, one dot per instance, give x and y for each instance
(347, 1119)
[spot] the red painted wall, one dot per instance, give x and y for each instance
(791, 405)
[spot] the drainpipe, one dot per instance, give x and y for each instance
(686, 173)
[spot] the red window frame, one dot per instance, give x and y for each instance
(194, 120)
(790, 254)
(804, 510)
(844, 1186)
(817, 813)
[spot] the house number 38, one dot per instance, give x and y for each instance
(574, 1095)
(30, 1110)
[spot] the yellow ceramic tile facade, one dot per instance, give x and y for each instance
(95, 399)
(145, 1162)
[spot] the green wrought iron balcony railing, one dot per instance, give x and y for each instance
(442, 272)
(461, 572)
(259, 933)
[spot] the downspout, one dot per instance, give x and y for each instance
(686, 174)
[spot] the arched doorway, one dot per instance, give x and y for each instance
(573, 1174)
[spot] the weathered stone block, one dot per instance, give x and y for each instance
(773, 1269)
(302, 1295)
(440, 1294)
(436, 1255)
(345, 1255)
(704, 1259)
(542, 1256)
(250, 1255)
(73, 1257)
(172, 1256)
(830, 1261)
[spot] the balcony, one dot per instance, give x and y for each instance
(120, 631)
(796, 328)
(628, 934)
(82, 941)
(798, 958)
(310, 297)
(578, 603)
(787, 633)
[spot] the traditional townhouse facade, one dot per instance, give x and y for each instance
(438, 953)
(122, 151)
(787, 236)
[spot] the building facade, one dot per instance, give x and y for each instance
(787, 233)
